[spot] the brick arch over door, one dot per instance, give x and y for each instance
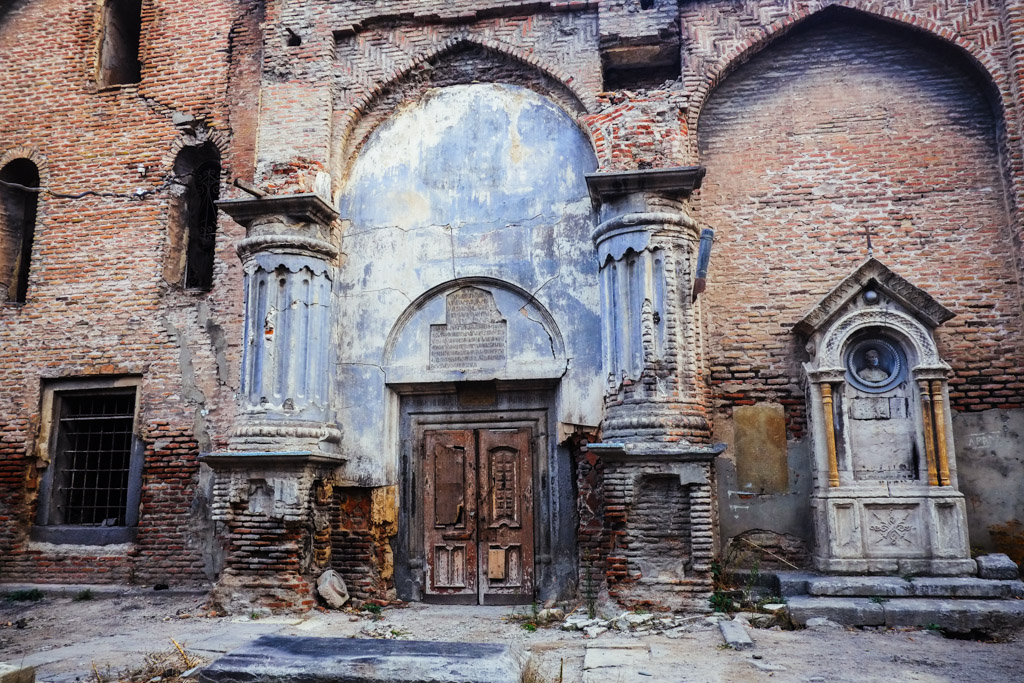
(841, 126)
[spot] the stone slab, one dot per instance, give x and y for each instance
(274, 658)
(735, 635)
(860, 586)
(921, 587)
(845, 611)
(10, 673)
(793, 583)
(761, 456)
(959, 615)
(614, 655)
(966, 587)
(997, 566)
(955, 615)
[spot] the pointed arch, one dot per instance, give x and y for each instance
(353, 130)
(766, 35)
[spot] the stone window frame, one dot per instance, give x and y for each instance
(46, 529)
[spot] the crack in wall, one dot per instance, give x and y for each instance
(190, 389)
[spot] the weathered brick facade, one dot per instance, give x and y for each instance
(818, 123)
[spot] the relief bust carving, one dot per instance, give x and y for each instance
(875, 364)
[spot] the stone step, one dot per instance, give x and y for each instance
(917, 587)
(960, 615)
(277, 659)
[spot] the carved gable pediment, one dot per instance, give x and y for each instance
(873, 274)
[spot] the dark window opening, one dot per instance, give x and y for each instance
(94, 449)
(119, 50)
(17, 227)
(193, 236)
(646, 4)
(294, 39)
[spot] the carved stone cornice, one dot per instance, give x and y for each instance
(679, 181)
(268, 459)
(675, 451)
(874, 273)
(307, 207)
(287, 243)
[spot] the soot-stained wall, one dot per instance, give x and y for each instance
(469, 181)
(841, 127)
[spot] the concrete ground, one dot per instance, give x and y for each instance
(69, 639)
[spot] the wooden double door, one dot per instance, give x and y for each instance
(478, 515)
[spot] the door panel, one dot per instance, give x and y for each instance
(478, 516)
(506, 516)
(449, 495)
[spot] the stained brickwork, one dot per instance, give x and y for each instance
(820, 138)
(97, 305)
(907, 125)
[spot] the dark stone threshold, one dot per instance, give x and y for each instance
(352, 660)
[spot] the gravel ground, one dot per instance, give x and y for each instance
(65, 638)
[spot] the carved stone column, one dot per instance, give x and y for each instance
(646, 245)
(286, 363)
(658, 460)
(274, 486)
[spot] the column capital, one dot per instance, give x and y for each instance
(677, 182)
(307, 207)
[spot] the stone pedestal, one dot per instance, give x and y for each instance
(274, 485)
(272, 511)
(657, 459)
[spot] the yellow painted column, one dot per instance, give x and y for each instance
(830, 434)
(929, 431)
(940, 432)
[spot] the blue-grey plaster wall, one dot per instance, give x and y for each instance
(483, 181)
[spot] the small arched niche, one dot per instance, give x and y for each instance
(17, 227)
(474, 329)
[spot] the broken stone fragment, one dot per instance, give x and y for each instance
(997, 566)
(9, 673)
(594, 631)
(735, 635)
(637, 619)
(822, 624)
(332, 589)
(546, 616)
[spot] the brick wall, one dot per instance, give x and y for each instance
(97, 305)
(836, 129)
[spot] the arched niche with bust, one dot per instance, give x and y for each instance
(885, 494)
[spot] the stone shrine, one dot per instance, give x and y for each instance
(885, 496)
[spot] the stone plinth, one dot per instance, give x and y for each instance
(893, 529)
(658, 535)
(273, 512)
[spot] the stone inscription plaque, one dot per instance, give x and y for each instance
(474, 334)
(762, 464)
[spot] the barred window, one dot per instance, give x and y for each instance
(90, 491)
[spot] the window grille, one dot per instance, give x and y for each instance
(95, 446)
